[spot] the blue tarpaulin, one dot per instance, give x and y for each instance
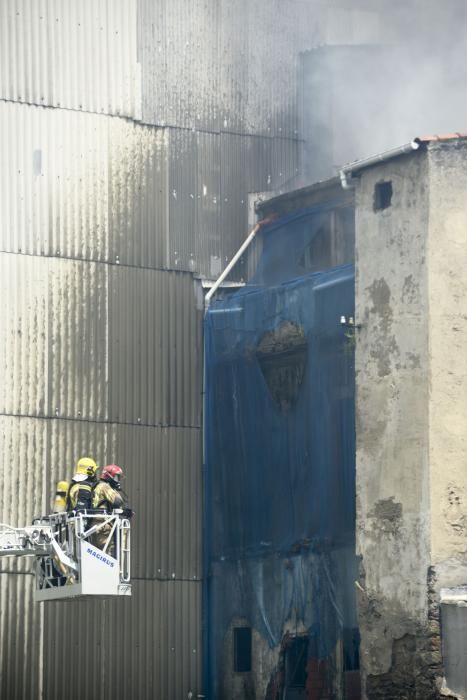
(280, 447)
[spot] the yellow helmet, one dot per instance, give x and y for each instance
(62, 486)
(86, 466)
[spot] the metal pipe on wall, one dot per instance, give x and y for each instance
(347, 171)
(234, 260)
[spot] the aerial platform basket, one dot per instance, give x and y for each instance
(68, 562)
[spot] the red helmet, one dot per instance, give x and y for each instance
(113, 474)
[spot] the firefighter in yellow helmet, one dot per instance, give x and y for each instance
(82, 484)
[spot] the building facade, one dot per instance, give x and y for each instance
(132, 132)
(411, 415)
(410, 493)
(281, 461)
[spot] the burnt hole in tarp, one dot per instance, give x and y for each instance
(282, 356)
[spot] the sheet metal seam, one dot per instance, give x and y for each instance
(167, 579)
(61, 108)
(161, 125)
(110, 263)
(99, 421)
(222, 132)
(161, 579)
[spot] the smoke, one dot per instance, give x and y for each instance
(429, 88)
(409, 80)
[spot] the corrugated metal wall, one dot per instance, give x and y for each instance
(82, 186)
(148, 645)
(100, 353)
(234, 62)
(73, 55)
(151, 651)
(98, 342)
(92, 187)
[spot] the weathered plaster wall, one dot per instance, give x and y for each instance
(411, 286)
(447, 289)
(392, 374)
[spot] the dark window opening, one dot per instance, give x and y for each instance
(242, 649)
(351, 640)
(296, 657)
(383, 195)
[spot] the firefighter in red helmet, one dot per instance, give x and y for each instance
(107, 495)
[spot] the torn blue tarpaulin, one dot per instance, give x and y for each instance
(280, 447)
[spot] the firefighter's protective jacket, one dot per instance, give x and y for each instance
(80, 495)
(104, 496)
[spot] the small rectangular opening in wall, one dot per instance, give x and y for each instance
(351, 642)
(382, 195)
(37, 161)
(296, 663)
(242, 649)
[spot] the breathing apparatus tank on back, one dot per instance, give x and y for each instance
(61, 493)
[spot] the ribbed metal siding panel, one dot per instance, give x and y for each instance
(98, 188)
(20, 638)
(249, 164)
(163, 468)
(22, 456)
(155, 348)
(53, 337)
(178, 45)
(233, 66)
(76, 55)
(82, 186)
(67, 351)
(232, 63)
(210, 176)
(194, 200)
(145, 647)
(34, 454)
(67, 441)
(276, 35)
(137, 195)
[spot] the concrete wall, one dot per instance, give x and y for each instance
(411, 414)
(392, 373)
(447, 289)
